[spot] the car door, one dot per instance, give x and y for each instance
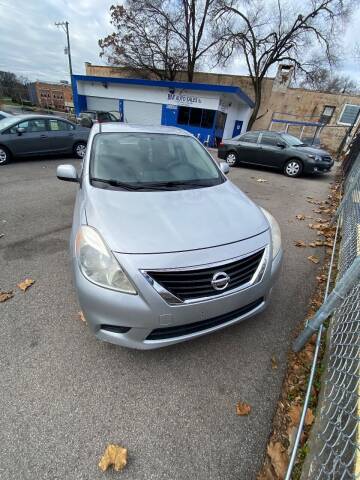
(61, 135)
(247, 147)
(272, 150)
(32, 140)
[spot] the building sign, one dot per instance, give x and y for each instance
(183, 98)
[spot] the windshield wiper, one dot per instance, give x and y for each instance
(126, 186)
(180, 183)
(300, 145)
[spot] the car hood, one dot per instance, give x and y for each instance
(312, 151)
(172, 221)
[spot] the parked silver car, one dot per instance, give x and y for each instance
(28, 135)
(165, 248)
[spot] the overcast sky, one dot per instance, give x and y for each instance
(32, 46)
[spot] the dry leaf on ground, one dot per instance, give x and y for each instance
(113, 455)
(300, 243)
(243, 408)
(294, 414)
(300, 216)
(279, 458)
(313, 259)
(261, 180)
(5, 296)
(25, 284)
(309, 417)
(81, 316)
(274, 364)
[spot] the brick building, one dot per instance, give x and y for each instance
(57, 96)
(302, 112)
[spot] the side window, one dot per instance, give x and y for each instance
(250, 137)
(31, 126)
(268, 139)
(59, 126)
(104, 117)
(112, 117)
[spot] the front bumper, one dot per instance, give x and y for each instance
(148, 313)
(318, 167)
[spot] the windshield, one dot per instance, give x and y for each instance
(151, 161)
(7, 121)
(291, 140)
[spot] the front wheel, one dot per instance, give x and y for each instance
(4, 156)
(293, 168)
(232, 159)
(80, 149)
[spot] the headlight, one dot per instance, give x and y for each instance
(98, 264)
(317, 158)
(275, 232)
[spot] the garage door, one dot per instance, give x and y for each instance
(142, 113)
(105, 104)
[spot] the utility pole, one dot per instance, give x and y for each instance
(65, 27)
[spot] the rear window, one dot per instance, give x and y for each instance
(269, 139)
(250, 137)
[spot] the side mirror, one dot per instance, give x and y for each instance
(224, 167)
(281, 145)
(67, 173)
(20, 130)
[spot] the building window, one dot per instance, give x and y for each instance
(195, 117)
(349, 114)
(327, 114)
(183, 115)
(220, 120)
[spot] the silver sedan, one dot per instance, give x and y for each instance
(164, 247)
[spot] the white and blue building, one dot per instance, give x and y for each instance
(210, 112)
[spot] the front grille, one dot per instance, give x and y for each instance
(181, 330)
(327, 159)
(196, 283)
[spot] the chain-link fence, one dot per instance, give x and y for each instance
(334, 447)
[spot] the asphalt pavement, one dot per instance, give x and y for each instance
(66, 395)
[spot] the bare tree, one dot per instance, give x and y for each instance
(161, 38)
(144, 43)
(322, 79)
(267, 33)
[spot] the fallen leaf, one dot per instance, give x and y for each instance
(291, 433)
(25, 284)
(300, 243)
(294, 414)
(5, 296)
(2, 234)
(243, 408)
(261, 180)
(309, 417)
(113, 455)
(313, 259)
(300, 216)
(279, 458)
(274, 364)
(81, 316)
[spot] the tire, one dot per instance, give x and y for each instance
(293, 168)
(4, 156)
(232, 159)
(80, 149)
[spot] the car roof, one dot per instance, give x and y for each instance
(129, 127)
